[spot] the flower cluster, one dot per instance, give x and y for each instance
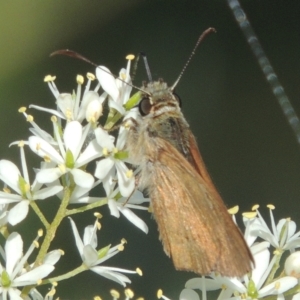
(81, 141)
(267, 277)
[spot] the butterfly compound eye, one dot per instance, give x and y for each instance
(145, 106)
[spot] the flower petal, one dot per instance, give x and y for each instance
(13, 250)
(113, 208)
(9, 174)
(197, 283)
(47, 192)
(82, 178)
(90, 236)
(261, 260)
(52, 257)
(78, 240)
(278, 287)
(107, 81)
(126, 184)
(43, 148)
(92, 151)
(104, 139)
(187, 294)
(34, 275)
(18, 213)
(89, 255)
(133, 218)
(114, 276)
(48, 175)
(72, 137)
(103, 167)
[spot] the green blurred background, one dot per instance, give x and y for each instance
(246, 142)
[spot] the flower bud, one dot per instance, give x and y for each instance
(292, 265)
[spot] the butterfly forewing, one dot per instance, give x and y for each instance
(185, 225)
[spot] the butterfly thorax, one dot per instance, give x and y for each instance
(165, 119)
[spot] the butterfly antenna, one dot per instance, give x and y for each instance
(135, 66)
(146, 66)
(75, 54)
(204, 34)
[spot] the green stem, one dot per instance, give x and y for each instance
(70, 274)
(50, 234)
(39, 213)
(87, 207)
(113, 117)
(274, 268)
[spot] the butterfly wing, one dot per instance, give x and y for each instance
(195, 228)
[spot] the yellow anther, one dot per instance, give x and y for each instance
(90, 76)
(51, 292)
(98, 215)
(234, 210)
(271, 206)
(130, 57)
(129, 174)
(98, 225)
(250, 215)
(129, 293)
(6, 190)
(49, 78)
(29, 118)
(121, 247)
(39, 281)
(255, 207)
(21, 144)
(115, 294)
(79, 79)
(105, 151)
(62, 168)
(47, 158)
(277, 252)
(22, 109)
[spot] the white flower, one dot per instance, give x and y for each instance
(282, 236)
(113, 163)
(72, 107)
(124, 204)
(14, 274)
(92, 258)
(253, 285)
(68, 158)
(11, 176)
